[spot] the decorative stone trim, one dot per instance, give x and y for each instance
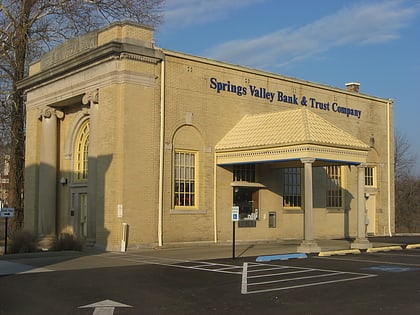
(48, 112)
(276, 154)
(139, 58)
(91, 97)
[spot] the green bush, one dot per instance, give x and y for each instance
(67, 241)
(23, 242)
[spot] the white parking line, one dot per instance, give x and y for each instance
(258, 277)
(280, 280)
(185, 264)
(283, 273)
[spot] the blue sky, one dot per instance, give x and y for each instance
(376, 43)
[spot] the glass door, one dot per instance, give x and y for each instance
(79, 212)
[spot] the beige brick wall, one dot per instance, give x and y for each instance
(215, 114)
(123, 32)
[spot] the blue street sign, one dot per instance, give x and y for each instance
(235, 213)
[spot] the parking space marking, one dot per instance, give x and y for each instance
(392, 268)
(258, 277)
(214, 267)
(370, 261)
(179, 263)
(285, 278)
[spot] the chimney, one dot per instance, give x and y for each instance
(353, 87)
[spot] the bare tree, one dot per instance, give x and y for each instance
(407, 204)
(28, 28)
(404, 158)
(407, 187)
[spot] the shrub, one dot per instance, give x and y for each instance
(23, 242)
(67, 241)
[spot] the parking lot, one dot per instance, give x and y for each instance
(383, 282)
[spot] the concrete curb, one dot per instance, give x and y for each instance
(383, 249)
(412, 246)
(339, 252)
(281, 257)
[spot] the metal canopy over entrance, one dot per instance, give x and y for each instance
(297, 135)
(289, 135)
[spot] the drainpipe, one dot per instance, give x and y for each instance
(388, 120)
(161, 151)
(215, 199)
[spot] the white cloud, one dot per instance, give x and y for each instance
(362, 24)
(182, 13)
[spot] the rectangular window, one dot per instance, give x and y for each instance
(247, 198)
(244, 172)
(185, 179)
(369, 176)
(334, 190)
(292, 187)
(272, 220)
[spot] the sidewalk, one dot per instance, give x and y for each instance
(93, 258)
(242, 250)
(219, 251)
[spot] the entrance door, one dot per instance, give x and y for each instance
(79, 212)
(370, 213)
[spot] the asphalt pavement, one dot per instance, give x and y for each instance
(204, 279)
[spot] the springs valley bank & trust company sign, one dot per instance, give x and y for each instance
(279, 96)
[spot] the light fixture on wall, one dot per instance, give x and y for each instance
(372, 141)
(63, 181)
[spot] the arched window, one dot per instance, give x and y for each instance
(81, 153)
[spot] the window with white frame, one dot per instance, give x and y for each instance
(370, 176)
(334, 186)
(292, 187)
(185, 179)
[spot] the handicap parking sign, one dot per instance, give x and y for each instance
(235, 213)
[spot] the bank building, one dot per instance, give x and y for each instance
(129, 145)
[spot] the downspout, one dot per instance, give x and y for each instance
(388, 120)
(215, 199)
(161, 151)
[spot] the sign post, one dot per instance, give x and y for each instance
(6, 213)
(235, 217)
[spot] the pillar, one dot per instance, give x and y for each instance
(47, 188)
(308, 245)
(361, 242)
(91, 98)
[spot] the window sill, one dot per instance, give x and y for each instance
(243, 223)
(292, 209)
(187, 211)
(335, 210)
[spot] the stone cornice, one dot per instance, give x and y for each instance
(104, 52)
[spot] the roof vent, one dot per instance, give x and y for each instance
(353, 87)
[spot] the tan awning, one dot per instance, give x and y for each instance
(288, 135)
